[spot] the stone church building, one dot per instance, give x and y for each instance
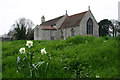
(67, 26)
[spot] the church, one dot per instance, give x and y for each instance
(65, 26)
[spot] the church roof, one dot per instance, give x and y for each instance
(73, 20)
(51, 22)
(70, 21)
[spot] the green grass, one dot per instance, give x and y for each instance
(0, 59)
(76, 57)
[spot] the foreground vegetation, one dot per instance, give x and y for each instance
(76, 57)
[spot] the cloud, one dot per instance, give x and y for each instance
(34, 9)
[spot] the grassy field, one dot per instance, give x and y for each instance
(76, 57)
(0, 59)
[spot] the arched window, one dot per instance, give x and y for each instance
(89, 26)
(61, 35)
(72, 32)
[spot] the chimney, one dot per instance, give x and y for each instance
(42, 19)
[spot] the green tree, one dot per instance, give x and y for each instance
(30, 34)
(22, 29)
(104, 27)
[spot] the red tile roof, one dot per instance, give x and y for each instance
(70, 21)
(48, 27)
(73, 21)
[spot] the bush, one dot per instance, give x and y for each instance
(75, 40)
(79, 39)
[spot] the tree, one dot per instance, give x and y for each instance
(118, 30)
(22, 29)
(30, 34)
(104, 27)
(115, 27)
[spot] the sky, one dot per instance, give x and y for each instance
(11, 10)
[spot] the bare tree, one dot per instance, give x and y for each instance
(115, 27)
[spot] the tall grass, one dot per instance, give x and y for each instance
(76, 57)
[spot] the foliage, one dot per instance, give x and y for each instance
(30, 34)
(20, 32)
(22, 29)
(115, 27)
(76, 57)
(104, 27)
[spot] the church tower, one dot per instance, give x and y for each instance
(42, 19)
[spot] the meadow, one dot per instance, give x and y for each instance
(75, 57)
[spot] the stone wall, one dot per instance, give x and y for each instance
(37, 33)
(67, 31)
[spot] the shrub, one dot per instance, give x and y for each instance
(75, 40)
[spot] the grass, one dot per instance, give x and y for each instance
(75, 57)
(0, 59)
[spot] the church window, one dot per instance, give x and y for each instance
(89, 26)
(72, 32)
(61, 35)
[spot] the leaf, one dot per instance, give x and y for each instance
(40, 63)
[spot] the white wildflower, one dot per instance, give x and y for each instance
(43, 51)
(29, 44)
(97, 76)
(33, 64)
(104, 41)
(22, 50)
(50, 58)
(17, 71)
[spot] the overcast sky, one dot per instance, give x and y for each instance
(10, 10)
